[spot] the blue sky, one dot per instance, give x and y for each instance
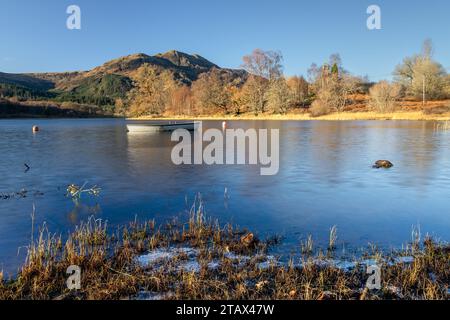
(34, 36)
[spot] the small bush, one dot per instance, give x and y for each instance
(384, 96)
(324, 103)
(319, 108)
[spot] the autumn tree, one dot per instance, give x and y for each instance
(299, 91)
(152, 91)
(422, 76)
(181, 101)
(253, 94)
(278, 96)
(333, 86)
(210, 92)
(238, 102)
(264, 67)
(120, 107)
(320, 76)
(428, 80)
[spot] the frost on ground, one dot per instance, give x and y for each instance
(189, 263)
(159, 256)
(164, 254)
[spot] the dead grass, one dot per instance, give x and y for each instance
(342, 116)
(407, 109)
(108, 260)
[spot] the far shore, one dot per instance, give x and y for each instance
(342, 116)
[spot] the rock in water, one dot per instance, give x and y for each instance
(383, 164)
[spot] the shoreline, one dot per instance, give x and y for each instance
(343, 116)
(198, 260)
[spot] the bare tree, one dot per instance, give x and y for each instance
(422, 77)
(265, 64)
(343, 88)
(264, 67)
(384, 96)
(314, 73)
(428, 80)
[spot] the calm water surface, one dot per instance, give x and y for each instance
(325, 179)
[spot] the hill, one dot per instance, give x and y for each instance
(103, 84)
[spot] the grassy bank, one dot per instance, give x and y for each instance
(343, 116)
(203, 260)
(406, 110)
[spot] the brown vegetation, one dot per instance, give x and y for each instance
(203, 260)
(420, 84)
(11, 108)
(384, 96)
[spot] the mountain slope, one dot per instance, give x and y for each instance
(113, 79)
(26, 81)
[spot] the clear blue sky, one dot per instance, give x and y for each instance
(34, 36)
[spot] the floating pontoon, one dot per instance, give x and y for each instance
(162, 126)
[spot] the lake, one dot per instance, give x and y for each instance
(325, 179)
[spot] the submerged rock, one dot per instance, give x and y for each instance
(386, 164)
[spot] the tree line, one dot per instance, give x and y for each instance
(327, 88)
(264, 89)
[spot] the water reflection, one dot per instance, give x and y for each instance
(82, 212)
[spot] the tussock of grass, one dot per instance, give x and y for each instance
(110, 268)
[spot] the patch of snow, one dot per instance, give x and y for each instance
(190, 266)
(370, 262)
(213, 265)
(152, 296)
(405, 260)
(269, 262)
(154, 256)
(236, 257)
(345, 265)
(164, 254)
(339, 264)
